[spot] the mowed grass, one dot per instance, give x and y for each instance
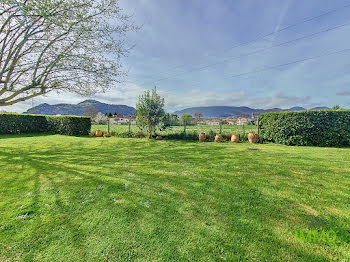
(96, 199)
(226, 129)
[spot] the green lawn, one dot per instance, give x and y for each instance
(226, 129)
(113, 199)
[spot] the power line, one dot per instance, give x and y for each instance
(255, 52)
(281, 65)
(293, 62)
(266, 35)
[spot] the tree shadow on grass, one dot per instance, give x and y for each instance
(23, 135)
(245, 210)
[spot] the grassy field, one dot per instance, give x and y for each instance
(226, 129)
(114, 199)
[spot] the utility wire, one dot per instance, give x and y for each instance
(255, 52)
(267, 68)
(266, 35)
(290, 63)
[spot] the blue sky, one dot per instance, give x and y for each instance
(180, 37)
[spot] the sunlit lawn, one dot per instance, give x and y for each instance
(114, 199)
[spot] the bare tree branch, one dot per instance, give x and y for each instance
(48, 45)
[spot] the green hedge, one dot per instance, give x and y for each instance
(306, 128)
(24, 124)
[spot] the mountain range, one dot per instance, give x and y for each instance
(209, 111)
(79, 109)
(228, 111)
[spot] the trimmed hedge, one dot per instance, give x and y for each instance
(24, 124)
(306, 128)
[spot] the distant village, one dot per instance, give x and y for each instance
(120, 119)
(244, 119)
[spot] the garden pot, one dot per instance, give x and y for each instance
(106, 135)
(253, 138)
(98, 133)
(235, 138)
(159, 138)
(218, 138)
(202, 137)
(91, 134)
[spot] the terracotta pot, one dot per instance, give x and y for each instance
(98, 133)
(106, 135)
(159, 138)
(253, 138)
(218, 138)
(235, 138)
(202, 137)
(91, 134)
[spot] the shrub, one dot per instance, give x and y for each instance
(182, 136)
(211, 135)
(19, 123)
(306, 128)
(24, 124)
(127, 134)
(69, 125)
(226, 137)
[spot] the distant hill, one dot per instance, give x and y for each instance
(79, 109)
(228, 111)
(320, 108)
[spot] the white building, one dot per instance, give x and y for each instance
(122, 121)
(231, 122)
(213, 123)
(242, 121)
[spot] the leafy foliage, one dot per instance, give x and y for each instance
(307, 128)
(168, 120)
(149, 111)
(186, 119)
(24, 124)
(336, 107)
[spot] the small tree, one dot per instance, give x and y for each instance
(221, 122)
(197, 116)
(165, 121)
(336, 107)
(186, 119)
(91, 111)
(149, 111)
(174, 120)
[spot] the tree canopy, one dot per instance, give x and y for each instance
(47, 45)
(149, 111)
(186, 119)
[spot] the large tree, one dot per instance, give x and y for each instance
(149, 111)
(72, 45)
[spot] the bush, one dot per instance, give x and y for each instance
(138, 134)
(182, 136)
(69, 125)
(211, 135)
(24, 124)
(306, 128)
